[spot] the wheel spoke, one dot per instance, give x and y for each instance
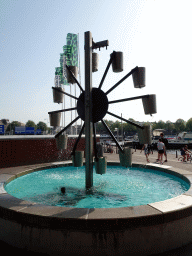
(66, 127)
(125, 77)
(112, 136)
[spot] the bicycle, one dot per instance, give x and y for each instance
(187, 158)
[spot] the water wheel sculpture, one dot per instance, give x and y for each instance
(93, 104)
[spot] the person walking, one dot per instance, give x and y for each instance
(165, 141)
(146, 149)
(161, 150)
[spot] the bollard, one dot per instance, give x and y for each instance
(176, 154)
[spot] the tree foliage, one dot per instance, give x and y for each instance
(180, 125)
(171, 127)
(41, 125)
(30, 124)
(12, 125)
(189, 125)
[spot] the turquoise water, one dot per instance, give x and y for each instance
(119, 187)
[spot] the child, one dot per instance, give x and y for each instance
(161, 150)
(146, 151)
(185, 152)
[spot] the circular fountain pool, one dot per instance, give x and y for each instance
(134, 230)
(119, 187)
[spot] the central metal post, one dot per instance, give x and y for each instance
(88, 111)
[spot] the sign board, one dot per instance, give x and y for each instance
(1, 129)
(29, 130)
(38, 132)
(64, 67)
(68, 57)
(24, 130)
(72, 41)
(57, 81)
(20, 130)
(68, 52)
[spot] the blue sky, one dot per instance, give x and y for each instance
(155, 34)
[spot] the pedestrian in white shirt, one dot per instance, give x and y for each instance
(161, 150)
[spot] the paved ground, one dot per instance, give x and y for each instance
(137, 158)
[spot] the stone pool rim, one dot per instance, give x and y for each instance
(153, 216)
(119, 213)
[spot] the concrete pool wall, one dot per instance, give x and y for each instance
(139, 230)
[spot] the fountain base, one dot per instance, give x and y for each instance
(139, 230)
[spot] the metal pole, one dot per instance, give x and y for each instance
(88, 111)
(64, 107)
(128, 99)
(62, 86)
(71, 107)
(62, 110)
(75, 113)
(121, 129)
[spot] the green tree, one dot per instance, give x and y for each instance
(169, 126)
(154, 125)
(180, 125)
(127, 127)
(4, 121)
(30, 124)
(189, 125)
(100, 128)
(159, 125)
(12, 125)
(42, 126)
(115, 125)
(109, 124)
